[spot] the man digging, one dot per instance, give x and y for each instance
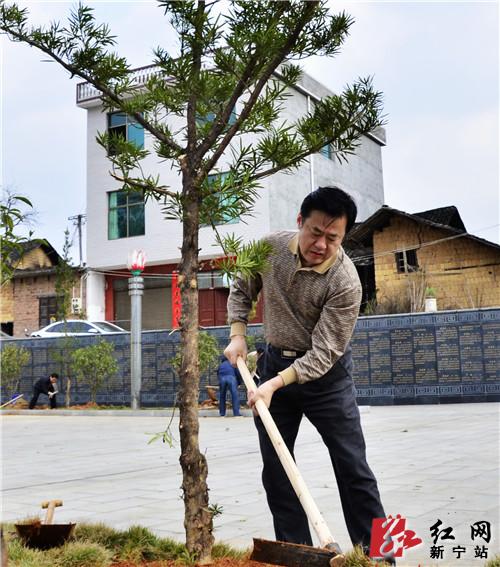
(45, 386)
(312, 296)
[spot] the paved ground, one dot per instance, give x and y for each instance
(432, 462)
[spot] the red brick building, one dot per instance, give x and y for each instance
(29, 301)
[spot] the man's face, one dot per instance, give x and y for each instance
(320, 237)
(53, 379)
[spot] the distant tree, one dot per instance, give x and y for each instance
(62, 356)
(94, 365)
(246, 52)
(65, 280)
(16, 211)
(13, 359)
(208, 353)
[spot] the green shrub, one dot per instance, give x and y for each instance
(94, 364)
(13, 359)
(208, 353)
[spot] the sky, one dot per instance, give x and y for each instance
(437, 64)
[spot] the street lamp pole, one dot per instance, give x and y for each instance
(136, 262)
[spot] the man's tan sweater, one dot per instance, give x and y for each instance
(305, 309)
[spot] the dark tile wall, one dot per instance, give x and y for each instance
(443, 357)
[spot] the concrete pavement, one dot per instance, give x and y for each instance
(432, 462)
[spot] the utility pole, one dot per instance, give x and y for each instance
(79, 220)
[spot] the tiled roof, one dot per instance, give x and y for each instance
(30, 245)
(447, 216)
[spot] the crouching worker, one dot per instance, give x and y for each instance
(45, 386)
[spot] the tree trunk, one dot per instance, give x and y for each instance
(197, 517)
(67, 394)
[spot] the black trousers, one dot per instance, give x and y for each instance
(330, 405)
(34, 399)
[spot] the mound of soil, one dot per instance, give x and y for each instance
(226, 562)
(87, 406)
(21, 403)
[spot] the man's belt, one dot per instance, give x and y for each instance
(286, 352)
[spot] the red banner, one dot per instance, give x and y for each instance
(176, 302)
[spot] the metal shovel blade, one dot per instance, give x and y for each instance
(43, 536)
(290, 554)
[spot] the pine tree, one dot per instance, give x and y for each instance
(250, 54)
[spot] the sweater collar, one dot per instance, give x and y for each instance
(322, 268)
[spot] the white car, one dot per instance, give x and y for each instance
(78, 328)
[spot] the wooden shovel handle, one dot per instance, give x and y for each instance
(314, 515)
(51, 506)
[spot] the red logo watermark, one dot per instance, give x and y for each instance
(390, 537)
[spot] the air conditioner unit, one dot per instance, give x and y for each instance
(76, 305)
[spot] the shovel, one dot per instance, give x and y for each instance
(46, 535)
(292, 554)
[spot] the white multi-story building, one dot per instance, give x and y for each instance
(117, 223)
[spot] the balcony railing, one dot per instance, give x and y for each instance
(86, 92)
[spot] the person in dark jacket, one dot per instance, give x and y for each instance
(229, 378)
(45, 386)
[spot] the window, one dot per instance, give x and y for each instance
(210, 117)
(212, 280)
(123, 125)
(125, 214)
(77, 327)
(47, 310)
(8, 328)
(326, 151)
(59, 328)
(406, 261)
(224, 199)
(108, 327)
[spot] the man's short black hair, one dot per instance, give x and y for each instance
(54, 375)
(332, 201)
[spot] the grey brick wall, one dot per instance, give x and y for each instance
(443, 357)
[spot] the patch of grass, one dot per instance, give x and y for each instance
(493, 562)
(81, 554)
(220, 550)
(98, 533)
(135, 544)
(72, 554)
(97, 545)
(356, 558)
(141, 544)
(170, 547)
(21, 556)
(186, 558)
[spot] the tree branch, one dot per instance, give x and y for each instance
(191, 106)
(97, 84)
(273, 65)
(144, 186)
